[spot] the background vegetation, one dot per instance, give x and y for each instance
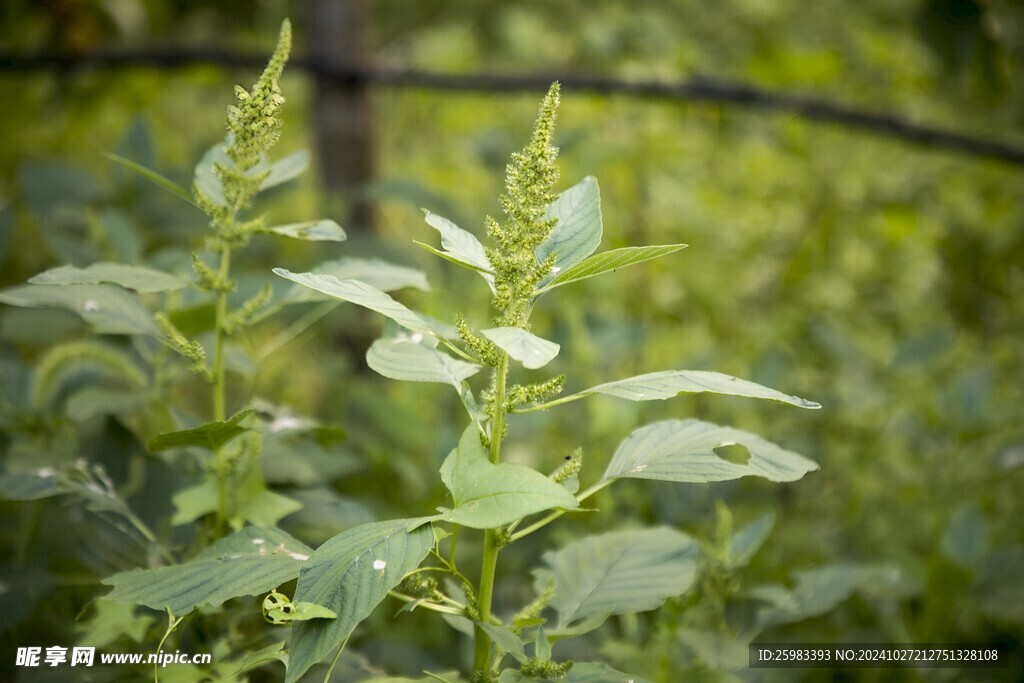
(879, 277)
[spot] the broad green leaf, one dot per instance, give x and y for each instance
(407, 360)
(618, 573)
(578, 231)
(139, 278)
(351, 574)
(487, 496)
(529, 349)
(362, 294)
(107, 308)
(671, 383)
(460, 246)
(817, 591)
(374, 272)
(286, 168)
(211, 435)
(745, 543)
(153, 177)
(248, 562)
(312, 231)
(609, 261)
(42, 483)
(684, 451)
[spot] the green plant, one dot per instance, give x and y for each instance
(545, 242)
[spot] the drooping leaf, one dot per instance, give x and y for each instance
(312, 231)
(277, 652)
(374, 272)
(618, 573)
(407, 360)
(350, 575)
(107, 308)
(211, 435)
(362, 294)
(487, 496)
(609, 261)
(139, 278)
(460, 246)
(248, 562)
(684, 451)
(286, 168)
(529, 349)
(578, 231)
(671, 383)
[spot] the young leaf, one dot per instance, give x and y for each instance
(311, 231)
(211, 435)
(656, 386)
(487, 496)
(286, 168)
(350, 575)
(609, 261)
(107, 308)
(249, 562)
(407, 360)
(460, 246)
(617, 573)
(506, 639)
(362, 294)
(578, 231)
(745, 543)
(139, 278)
(684, 451)
(529, 349)
(374, 272)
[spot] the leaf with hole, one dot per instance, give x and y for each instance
(487, 496)
(529, 349)
(684, 451)
(350, 575)
(249, 562)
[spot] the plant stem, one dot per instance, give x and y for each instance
(544, 521)
(219, 384)
(481, 641)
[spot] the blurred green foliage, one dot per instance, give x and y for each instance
(880, 278)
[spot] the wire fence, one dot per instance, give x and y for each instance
(696, 89)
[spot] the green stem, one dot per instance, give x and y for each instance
(550, 404)
(219, 384)
(544, 521)
(481, 641)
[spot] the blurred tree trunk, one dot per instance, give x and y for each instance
(342, 115)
